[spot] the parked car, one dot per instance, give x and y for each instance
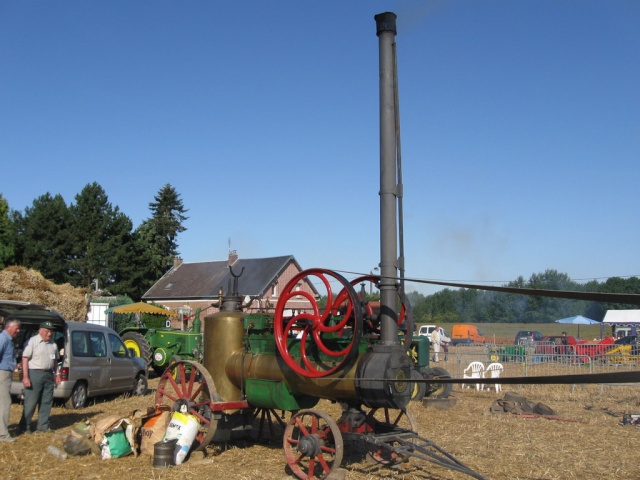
(94, 359)
(527, 337)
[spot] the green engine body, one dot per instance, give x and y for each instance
(259, 340)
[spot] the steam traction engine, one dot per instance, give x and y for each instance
(340, 349)
(257, 365)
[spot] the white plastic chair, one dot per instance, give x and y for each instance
(494, 370)
(474, 370)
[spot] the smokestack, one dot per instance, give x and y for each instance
(233, 257)
(386, 32)
(177, 261)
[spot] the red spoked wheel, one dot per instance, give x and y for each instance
(371, 320)
(189, 383)
(369, 315)
(328, 337)
(386, 420)
(313, 444)
(270, 424)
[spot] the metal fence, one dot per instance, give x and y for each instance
(540, 359)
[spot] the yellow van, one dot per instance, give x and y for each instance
(462, 333)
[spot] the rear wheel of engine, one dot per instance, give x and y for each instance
(269, 424)
(384, 421)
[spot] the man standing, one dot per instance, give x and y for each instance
(39, 376)
(439, 340)
(435, 340)
(7, 366)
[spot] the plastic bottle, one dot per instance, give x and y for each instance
(56, 452)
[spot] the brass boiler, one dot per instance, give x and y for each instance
(223, 337)
(230, 366)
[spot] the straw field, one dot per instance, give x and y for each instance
(586, 442)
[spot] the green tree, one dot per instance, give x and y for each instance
(620, 285)
(507, 307)
(159, 234)
(594, 310)
(102, 242)
(441, 307)
(418, 307)
(42, 237)
(547, 309)
(7, 241)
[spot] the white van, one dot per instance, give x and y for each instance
(425, 331)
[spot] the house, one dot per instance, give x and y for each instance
(189, 286)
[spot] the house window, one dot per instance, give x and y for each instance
(168, 287)
(274, 290)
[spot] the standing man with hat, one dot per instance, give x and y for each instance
(7, 366)
(39, 376)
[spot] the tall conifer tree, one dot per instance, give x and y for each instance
(7, 247)
(42, 237)
(159, 234)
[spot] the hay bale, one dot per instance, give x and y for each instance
(26, 285)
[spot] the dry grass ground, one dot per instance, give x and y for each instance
(588, 445)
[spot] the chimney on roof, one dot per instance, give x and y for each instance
(177, 261)
(233, 257)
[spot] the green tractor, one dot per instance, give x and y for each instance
(159, 347)
(419, 353)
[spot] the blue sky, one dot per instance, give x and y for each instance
(520, 127)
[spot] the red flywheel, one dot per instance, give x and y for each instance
(315, 341)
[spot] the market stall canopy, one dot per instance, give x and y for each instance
(578, 320)
(141, 307)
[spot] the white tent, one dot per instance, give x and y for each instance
(622, 317)
(622, 320)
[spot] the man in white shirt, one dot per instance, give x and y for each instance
(39, 376)
(438, 339)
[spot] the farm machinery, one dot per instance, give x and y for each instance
(323, 341)
(269, 370)
(161, 346)
(260, 368)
